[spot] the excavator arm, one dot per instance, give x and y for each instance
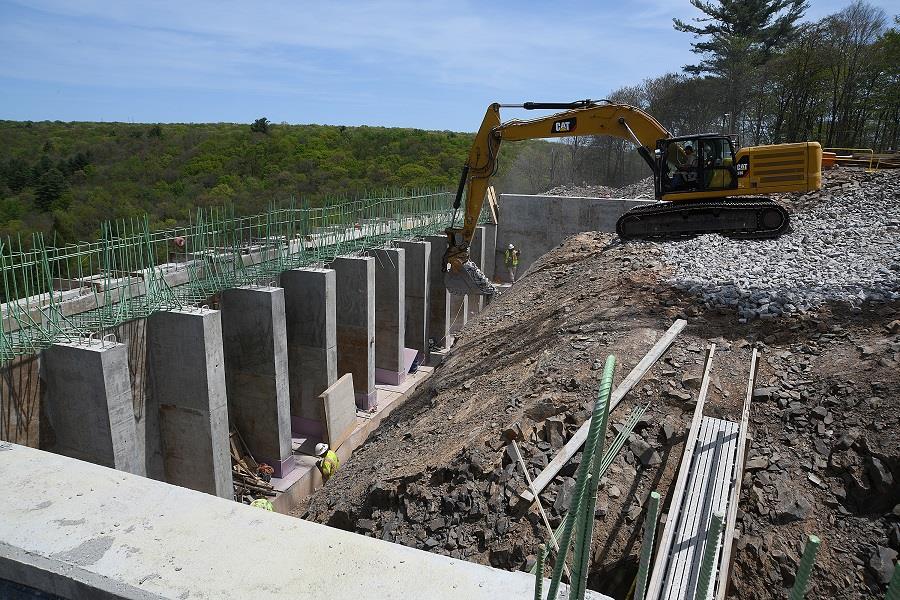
(578, 118)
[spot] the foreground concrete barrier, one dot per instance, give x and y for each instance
(82, 532)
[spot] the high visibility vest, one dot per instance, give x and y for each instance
(263, 503)
(329, 464)
(512, 257)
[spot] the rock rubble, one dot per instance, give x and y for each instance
(844, 246)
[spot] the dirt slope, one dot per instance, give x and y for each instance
(824, 457)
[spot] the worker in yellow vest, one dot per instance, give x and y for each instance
(263, 503)
(328, 461)
(511, 259)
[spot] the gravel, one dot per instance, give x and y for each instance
(639, 189)
(842, 246)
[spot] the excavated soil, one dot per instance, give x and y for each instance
(824, 455)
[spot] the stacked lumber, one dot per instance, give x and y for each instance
(248, 485)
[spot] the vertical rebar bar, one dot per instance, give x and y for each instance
(893, 591)
(707, 564)
(805, 568)
(539, 575)
(585, 524)
(647, 546)
(580, 484)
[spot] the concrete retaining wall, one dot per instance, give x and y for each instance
(537, 224)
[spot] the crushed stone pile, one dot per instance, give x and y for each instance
(639, 189)
(843, 245)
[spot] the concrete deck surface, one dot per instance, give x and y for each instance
(83, 531)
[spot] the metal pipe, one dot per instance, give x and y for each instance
(805, 568)
(647, 546)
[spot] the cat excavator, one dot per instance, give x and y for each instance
(702, 182)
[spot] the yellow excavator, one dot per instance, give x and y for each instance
(702, 181)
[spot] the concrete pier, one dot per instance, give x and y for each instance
(88, 399)
(477, 255)
(390, 315)
(490, 252)
(256, 372)
(459, 312)
(438, 297)
(187, 374)
(418, 256)
(311, 323)
(355, 308)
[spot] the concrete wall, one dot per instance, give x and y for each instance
(390, 314)
(537, 224)
(438, 297)
(86, 532)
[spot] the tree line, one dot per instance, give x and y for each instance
(763, 74)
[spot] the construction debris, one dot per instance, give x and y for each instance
(251, 479)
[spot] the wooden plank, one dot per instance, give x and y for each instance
(549, 527)
(654, 588)
(685, 517)
(731, 515)
(708, 492)
(577, 441)
(715, 491)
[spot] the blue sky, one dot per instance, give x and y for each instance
(433, 65)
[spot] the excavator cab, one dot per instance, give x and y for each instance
(691, 164)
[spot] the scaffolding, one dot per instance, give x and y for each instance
(58, 294)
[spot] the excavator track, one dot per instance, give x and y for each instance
(740, 217)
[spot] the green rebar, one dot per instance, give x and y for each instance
(647, 546)
(805, 568)
(585, 523)
(707, 564)
(584, 470)
(893, 591)
(539, 576)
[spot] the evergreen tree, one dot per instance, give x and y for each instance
(50, 188)
(737, 37)
(261, 125)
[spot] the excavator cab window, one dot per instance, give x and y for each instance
(696, 164)
(717, 156)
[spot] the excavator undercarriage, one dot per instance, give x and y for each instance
(746, 217)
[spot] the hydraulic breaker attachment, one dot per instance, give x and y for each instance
(461, 275)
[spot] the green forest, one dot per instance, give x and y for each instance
(763, 73)
(69, 177)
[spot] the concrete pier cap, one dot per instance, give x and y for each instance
(82, 531)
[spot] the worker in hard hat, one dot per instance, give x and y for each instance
(328, 462)
(511, 260)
